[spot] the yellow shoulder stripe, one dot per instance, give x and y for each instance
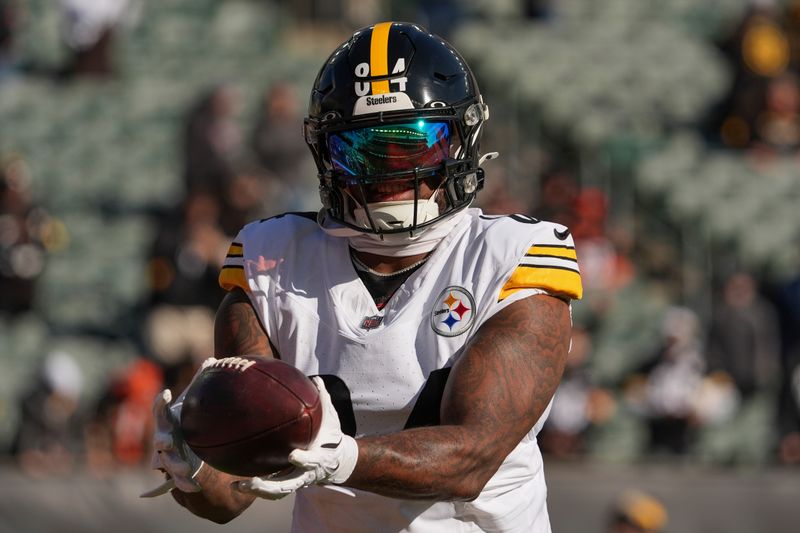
(556, 280)
(553, 251)
(235, 249)
(232, 276)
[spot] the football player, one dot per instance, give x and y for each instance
(439, 334)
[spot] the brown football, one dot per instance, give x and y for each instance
(244, 415)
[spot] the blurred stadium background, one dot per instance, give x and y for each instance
(136, 136)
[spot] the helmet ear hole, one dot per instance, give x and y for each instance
(468, 184)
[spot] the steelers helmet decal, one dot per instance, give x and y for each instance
(380, 83)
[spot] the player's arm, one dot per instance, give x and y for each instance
(495, 394)
(237, 331)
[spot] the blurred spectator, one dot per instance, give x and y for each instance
(360, 13)
(8, 23)
(789, 445)
(743, 355)
(499, 196)
(777, 127)
(537, 9)
(278, 144)
(89, 28)
(744, 339)
(792, 22)
(605, 265)
(310, 10)
(188, 253)
(187, 256)
(24, 230)
(637, 512)
(557, 204)
(212, 140)
(277, 138)
(120, 431)
(48, 438)
(759, 49)
(673, 382)
(716, 402)
(789, 399)
(590, 211)
(577, 404)
(247, 197)
(439, 16)
(177, 334)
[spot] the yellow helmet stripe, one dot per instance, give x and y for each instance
(379, 56)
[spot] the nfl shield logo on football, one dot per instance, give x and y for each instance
(453, 311)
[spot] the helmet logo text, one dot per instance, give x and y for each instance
(362, 71)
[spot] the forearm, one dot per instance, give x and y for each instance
(217, 501)
(495, 394)
(436, 463)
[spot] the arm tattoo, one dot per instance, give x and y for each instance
(496, 392)
(237, 329)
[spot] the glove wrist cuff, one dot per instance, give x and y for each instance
(347, 460)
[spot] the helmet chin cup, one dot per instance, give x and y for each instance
(395, 215)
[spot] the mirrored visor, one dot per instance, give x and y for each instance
(389, 148)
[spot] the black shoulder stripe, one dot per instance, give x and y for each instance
(553, 267)
(548, 256)
(565, 246)
(525, 219)
(310, 215)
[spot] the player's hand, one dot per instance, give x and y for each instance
(331, 458)
(170, 453)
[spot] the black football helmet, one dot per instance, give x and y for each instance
(395, 108)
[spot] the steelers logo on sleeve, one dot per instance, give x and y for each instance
(453, 312)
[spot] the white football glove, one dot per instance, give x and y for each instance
(330, 458)
(170, 452)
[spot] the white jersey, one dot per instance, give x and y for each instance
(386, 369)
